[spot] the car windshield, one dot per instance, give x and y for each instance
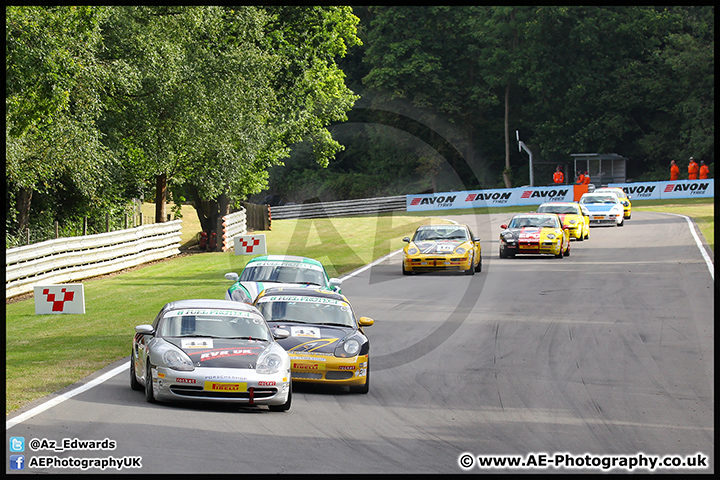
(617, 193)
(283, 273)
(313, 310)
(558, 209)
(599, 199)
(213, 323)
(537, 221)
(449, 232)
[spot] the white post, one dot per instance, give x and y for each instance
(522, 146)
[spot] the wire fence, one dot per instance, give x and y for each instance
(41, 231)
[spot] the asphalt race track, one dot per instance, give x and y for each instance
(566, 364)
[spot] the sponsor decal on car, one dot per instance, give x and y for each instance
(230, 352)
(231, 378)
(275, 263)
(225, 387)
(317, 358)
(302, 299)
(185, 380)
(529, 234)
(307, 367)
(209, 312)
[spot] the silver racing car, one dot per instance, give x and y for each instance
(211, 350)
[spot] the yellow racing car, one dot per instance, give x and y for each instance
(535, 234)
(572, 215)
(442, 247)
(327, 344)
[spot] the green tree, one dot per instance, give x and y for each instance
(221, 92)
(458, 63)
(153, 116)
(677, 85)
(53, 80)
(632, 80)
(611, 79)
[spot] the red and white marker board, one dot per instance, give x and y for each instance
(250, 245)
(62, 298)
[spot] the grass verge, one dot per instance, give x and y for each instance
(45, 353)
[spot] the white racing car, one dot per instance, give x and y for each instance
(604, 208)
(213, 351)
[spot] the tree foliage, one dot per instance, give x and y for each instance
(217, 103)
(201, 99)
(633, 80)
(53, 79)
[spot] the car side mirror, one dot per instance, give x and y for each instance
(280, 333)
(365, 321)
(145, 329)
(476, 239)
(406, 239)
(232, 276)
(503, 226)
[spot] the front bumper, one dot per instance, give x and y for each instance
(233, 385)
(542, 248)
(605, 219)
(327, 369)
(436, 262)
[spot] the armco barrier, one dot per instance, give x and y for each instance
(364, 206)
(70, 259)
(233, 225)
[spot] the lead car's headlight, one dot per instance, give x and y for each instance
(269, 362)
(177, 360)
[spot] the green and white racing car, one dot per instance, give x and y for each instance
(275, 271)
